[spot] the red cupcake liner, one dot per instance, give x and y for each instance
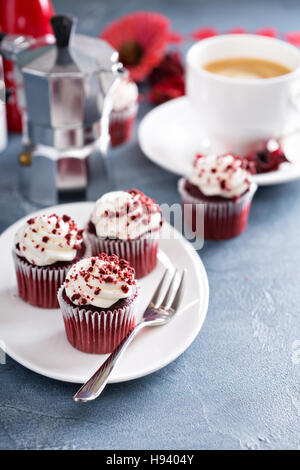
(141, 253)
(219, 220)
(38, 285)
(121, 125)
(96, 332)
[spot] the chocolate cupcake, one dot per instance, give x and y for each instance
(217, 197)
(97, 301)
(45, 248)
(124, 112)
(128, 224)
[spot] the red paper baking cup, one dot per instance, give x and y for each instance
(96, 332)
(141, 253)
(218, 220)
(38, 285)
(121, 124)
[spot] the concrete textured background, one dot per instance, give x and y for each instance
(237, 386)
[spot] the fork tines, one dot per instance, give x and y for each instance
(173, 291)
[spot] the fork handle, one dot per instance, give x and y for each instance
(95, 385)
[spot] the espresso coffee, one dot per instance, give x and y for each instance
(246, 67)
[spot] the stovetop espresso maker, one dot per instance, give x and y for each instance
(66, 102)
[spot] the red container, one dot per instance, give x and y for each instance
(96, 331)
(215, 220)
(38, 285)
(141, 253)
(24, 17)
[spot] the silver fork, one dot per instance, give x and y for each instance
(159, 312)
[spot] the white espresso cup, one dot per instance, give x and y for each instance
(241, 114)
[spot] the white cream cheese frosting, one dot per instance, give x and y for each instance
(125, 94)
(45, 240)
(125, 215)
(220, 175)
(100, 281)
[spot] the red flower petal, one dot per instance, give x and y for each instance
(170, 66)
(237, 30)
(268, 31)
(166, 90)
(148, 30)
(293, 37)
(205, 32)
(175, 38)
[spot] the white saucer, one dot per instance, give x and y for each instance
(170, 137)
(36, 338)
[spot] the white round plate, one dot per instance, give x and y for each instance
(170, 137)
(36, 338)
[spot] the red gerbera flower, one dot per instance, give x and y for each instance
(140, 38)
(175, 37)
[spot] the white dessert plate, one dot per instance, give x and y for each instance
(170, 136)
(36, 338)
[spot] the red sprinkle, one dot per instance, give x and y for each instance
(75, 297)
(223, 184)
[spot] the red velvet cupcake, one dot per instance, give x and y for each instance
(217, 197)
(126, 223)
(124, 112)
(45, 249)
(97, 301)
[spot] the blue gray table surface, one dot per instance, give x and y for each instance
(237, 386)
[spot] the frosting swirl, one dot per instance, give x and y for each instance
(221, 175)
(44, 240)
(125, 94)
(126, 215)
(100, 281)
